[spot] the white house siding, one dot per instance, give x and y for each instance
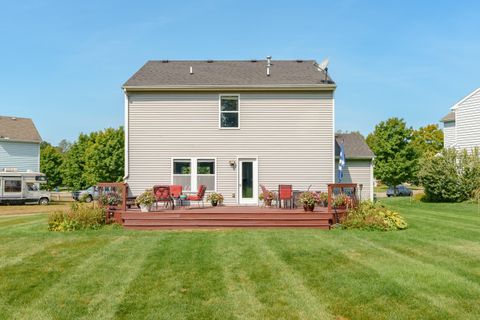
(360, 172)
(468, 122)
(449, 134)
(21, 155)
(290, 133)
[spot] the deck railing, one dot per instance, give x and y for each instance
(346, 189)
(113, 197)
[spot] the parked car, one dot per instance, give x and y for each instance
(88, 195)
(23, 187)
(400, 191)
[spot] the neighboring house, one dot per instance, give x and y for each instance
(461, 126)
(358, 162)
(19, 144)
(231, 125)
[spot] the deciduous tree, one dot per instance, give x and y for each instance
(395, 157)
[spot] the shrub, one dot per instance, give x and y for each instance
(83, 197)
(419, 196)
(373, 216)
(79, 217)
(450, 176)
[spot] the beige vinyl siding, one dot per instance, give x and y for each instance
(360, 172)
(468, 122)
(449, 134)
(291, 134)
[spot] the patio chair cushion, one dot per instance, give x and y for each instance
(194, 197)
(161, 193)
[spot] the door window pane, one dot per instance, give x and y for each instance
(13, 186)
(247, 180)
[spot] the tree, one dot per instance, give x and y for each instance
(64, 146)
(428, 140)
(50, 162)
(74, 163)
(395, 157)
(105, 158)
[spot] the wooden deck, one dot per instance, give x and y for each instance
(227, 217)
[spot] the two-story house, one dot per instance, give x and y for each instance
(231, 125)
(19, 144)
(461, 126)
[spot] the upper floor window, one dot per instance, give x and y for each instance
(229, 112)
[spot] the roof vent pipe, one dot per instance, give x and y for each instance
(269, 63)
(191, 70)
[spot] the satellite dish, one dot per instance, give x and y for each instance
(324, 65)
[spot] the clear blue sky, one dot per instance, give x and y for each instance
(63, 63)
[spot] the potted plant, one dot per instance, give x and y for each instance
(323, 199)
(340, 201)
(308, 199)
(215, 198)
(267, 198)
(145, 201)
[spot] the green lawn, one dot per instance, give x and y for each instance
(430, 271)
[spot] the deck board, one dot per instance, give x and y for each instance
(226, 217)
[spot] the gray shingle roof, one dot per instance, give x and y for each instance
(354, 145)
(449, 117)
(166, 73)
(18, 129)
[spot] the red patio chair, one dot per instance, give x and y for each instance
(163, 194)
(285, 193)
(176, 192)
(266, 193)
(199, 196)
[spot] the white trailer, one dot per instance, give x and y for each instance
(22, 187)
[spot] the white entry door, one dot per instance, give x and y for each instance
(247, 181)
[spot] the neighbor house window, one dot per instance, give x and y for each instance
(229, 112)
(12, 186)
(182, 173)
(190, 173)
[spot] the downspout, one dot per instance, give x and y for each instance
(126, 134)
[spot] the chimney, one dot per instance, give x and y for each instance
(191, 70)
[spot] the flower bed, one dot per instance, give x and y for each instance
(373, 216)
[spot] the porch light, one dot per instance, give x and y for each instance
(231, 163)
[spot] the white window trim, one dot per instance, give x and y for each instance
(220, 111)
(193, 171)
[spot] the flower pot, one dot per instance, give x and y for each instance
(145, 208)
(268, 202)
(214, 203)
(308, 208)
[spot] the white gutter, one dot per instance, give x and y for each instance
(126, 134)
